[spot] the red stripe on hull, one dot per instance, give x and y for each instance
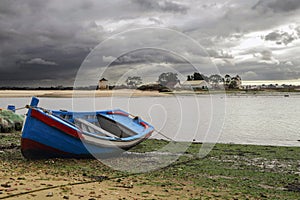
(53, 123)
(144, 125)
(35, 150)
(117, 113)
(148, 135)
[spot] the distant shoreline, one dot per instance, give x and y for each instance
(132, 93)
(78, 93)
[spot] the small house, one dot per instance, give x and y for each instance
(103, 84)
(195, 85)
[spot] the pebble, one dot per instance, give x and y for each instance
(50, 194)
(79, 195)
(11, 189)
(65, 197)
(5, 185)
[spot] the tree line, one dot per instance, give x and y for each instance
(215, 80)
(170, 79)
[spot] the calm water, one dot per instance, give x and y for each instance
(266, 120)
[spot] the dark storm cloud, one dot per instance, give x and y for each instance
(261, 71)
(266, 55)
(40, 61)
(298, 31)
(227, 19)
(48, 40)
(148, 56)
(280, 37)
(36, 70)
(161, 5)
(278, 5)
(38, 33)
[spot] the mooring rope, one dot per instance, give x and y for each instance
(30, 107)
(164, 135)
(20, 108)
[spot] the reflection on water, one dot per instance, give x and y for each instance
(266, 120)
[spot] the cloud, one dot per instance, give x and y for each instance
(144, 56)
(281, 37)
(278, 5)
(220, 53)
(161, 5)
(62, 35)
(249, 75)
(266, 56)
(108, 59)
(156, 20)
(289, 63)
(40, 61)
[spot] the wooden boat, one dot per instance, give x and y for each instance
(66, 134)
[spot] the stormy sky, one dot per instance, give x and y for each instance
(43, 43)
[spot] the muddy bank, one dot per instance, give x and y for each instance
(228, 172)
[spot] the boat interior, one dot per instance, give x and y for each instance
(97, 124)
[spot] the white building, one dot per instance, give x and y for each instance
(195, 85)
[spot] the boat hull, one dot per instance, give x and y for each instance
(34, 150)
(48, 136)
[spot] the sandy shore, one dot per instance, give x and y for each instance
(132, 93)
(78, 93)
(43, 186)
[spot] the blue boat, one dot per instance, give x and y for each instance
(66, 134)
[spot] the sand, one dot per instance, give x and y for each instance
(41, 186)
(78, 93)
(228, 172)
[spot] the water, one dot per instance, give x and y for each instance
(263, 120)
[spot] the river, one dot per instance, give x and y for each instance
(262, 120)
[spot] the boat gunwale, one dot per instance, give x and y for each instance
(80, 132)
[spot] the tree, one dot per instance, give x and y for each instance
(168, 79)
(227, 80)
(235, 82)
(133, 81)
(216, 80)
(197, 77)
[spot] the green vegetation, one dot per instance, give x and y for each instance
(10, 121)
(229, 171)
